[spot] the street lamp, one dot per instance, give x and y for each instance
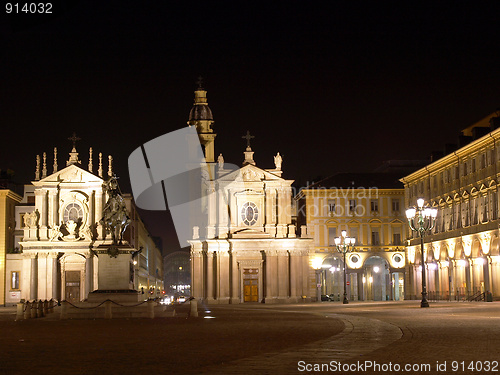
(421, 219)
(344, 245)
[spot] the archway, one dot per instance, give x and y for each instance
(332, 283)
(376, 280)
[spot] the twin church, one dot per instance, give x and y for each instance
(251, 251)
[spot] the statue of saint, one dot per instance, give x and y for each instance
(277, 161)
(27, 220)
(220, 160)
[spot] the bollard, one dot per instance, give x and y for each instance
(39, 309)
(108, 310)
(45, 307)
(19, 311)
(33, 310)
(51, 306)
(194, 308)
(151, 309)
(64, 310)
(27, 310)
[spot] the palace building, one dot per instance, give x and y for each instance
(369, 207)
(250, 252)
(57, 226)
(462, 252)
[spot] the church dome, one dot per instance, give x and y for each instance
(200, 112)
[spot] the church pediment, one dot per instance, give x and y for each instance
(71, 173)
(250, 173)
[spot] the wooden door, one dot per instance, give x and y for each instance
(72, 286)
(251, 285)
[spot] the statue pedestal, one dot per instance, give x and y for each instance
(115, 276)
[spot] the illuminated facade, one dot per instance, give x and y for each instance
(251, 252)
(56, 222)
(369, 207)
(462, 251)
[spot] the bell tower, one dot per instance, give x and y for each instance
(201, 117)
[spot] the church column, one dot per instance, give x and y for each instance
(271, 276)
(92, 208)
(197, 273)
(98, 213)
(212, 210)
(235, 279)
(295, 276)
(281, 230)
(52, 264)
(33, 277)
(234, 209)
(270, 226)
(283, 275)
(41, 205)
(287, 206)
(53, 209)
(223, 272)
(89, 275)
(42, 275)
(26, 277)
(210, 276)
(223, 213)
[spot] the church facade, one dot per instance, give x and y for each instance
(59, 235)
(249, 251)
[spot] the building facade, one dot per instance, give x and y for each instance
(58, 232)
(369, 207)
(250, 252)
(462, 252)
(9, 280)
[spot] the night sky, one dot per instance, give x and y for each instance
(333, 86)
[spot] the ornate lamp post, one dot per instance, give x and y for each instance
(421, 219)
(344, 245)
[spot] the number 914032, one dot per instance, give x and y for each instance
(27, 8)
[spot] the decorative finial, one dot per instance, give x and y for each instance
(37, 170)
(99, 171)
(248, 137)
(110, 166)
(55, 159)
(44, 168)
(90, 160)
(199, 82)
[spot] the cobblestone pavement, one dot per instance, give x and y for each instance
(267, 339)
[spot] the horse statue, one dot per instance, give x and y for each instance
(115, 216)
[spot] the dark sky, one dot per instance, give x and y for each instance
(336, 86)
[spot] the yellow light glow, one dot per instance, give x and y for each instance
(370, 279)
(316, 263)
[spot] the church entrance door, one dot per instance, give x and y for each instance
(251, 285)
(72, 286)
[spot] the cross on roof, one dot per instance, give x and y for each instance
(74, 138)
(199, 82)
(248, 137)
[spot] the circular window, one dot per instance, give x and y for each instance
(398, 260)
(354, 259)
(74, 212)
(249, 213)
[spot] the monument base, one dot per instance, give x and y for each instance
(118, 296)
